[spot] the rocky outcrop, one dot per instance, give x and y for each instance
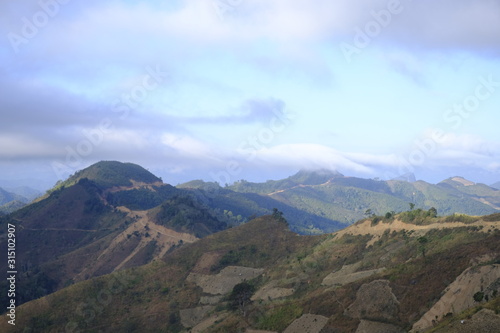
(191, 317)
(348, 274)
(485, 321)
(225, 281)
(374, 301)
(309, 323)
(459, 295)
(367, 326)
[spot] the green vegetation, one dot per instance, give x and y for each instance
(279, 318)
(419, 216)
(184, 214)
(239, 298)
(236, 257)
(80, 232)
(108, 174)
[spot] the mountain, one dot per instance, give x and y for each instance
(377, 275)
(11, 201)
(113, 216)
(108, 174)
(346, 199)
(496, 185)
(303, 177)
(7, 196)
(239, 207)
(25, 191)
(100, 220)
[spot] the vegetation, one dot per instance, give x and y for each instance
(239, 298)
(76, 240)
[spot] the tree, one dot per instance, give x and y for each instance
(433, 212)
(277, 215)
(369, 212)
(412, 205)
(422, 240)
(241, 296)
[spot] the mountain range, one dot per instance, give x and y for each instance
(12, 199)
(178, 252)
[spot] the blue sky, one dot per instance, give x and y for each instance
(223, 90)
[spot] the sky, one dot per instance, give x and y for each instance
(223, 90)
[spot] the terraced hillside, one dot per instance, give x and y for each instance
(379, 275)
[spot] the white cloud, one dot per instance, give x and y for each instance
(309, 156)
(187, 146)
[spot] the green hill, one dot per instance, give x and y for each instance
(108, 174)
(346, 199)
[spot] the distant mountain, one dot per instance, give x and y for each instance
(10, 201)
(303, 177)
(346, 199)
(11, 207)
(407, 177)
(496, 185)
(7, 196)
(25, 191)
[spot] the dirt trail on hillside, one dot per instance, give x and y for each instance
(146, 231)
(135, 186)
(300, 185)
(365, 228)
(164, 237)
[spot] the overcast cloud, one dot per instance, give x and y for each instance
(186, 87)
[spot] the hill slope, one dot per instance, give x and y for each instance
(83, 227)
(389, 276)
(496, 185)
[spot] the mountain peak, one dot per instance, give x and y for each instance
(458, 180)
(407, 177)
(315, 177)
(113, 173)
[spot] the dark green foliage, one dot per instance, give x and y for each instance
(375, 220)
(143, 198)
(240, 296)
(235, 257)
(479, 296)
(432, 212)
(278, 216)
(461, 218)
(419, 216)
(422, 247)
(251, 205)
(492, 217)
(108, 174)
(279, 318)
(183, 214)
